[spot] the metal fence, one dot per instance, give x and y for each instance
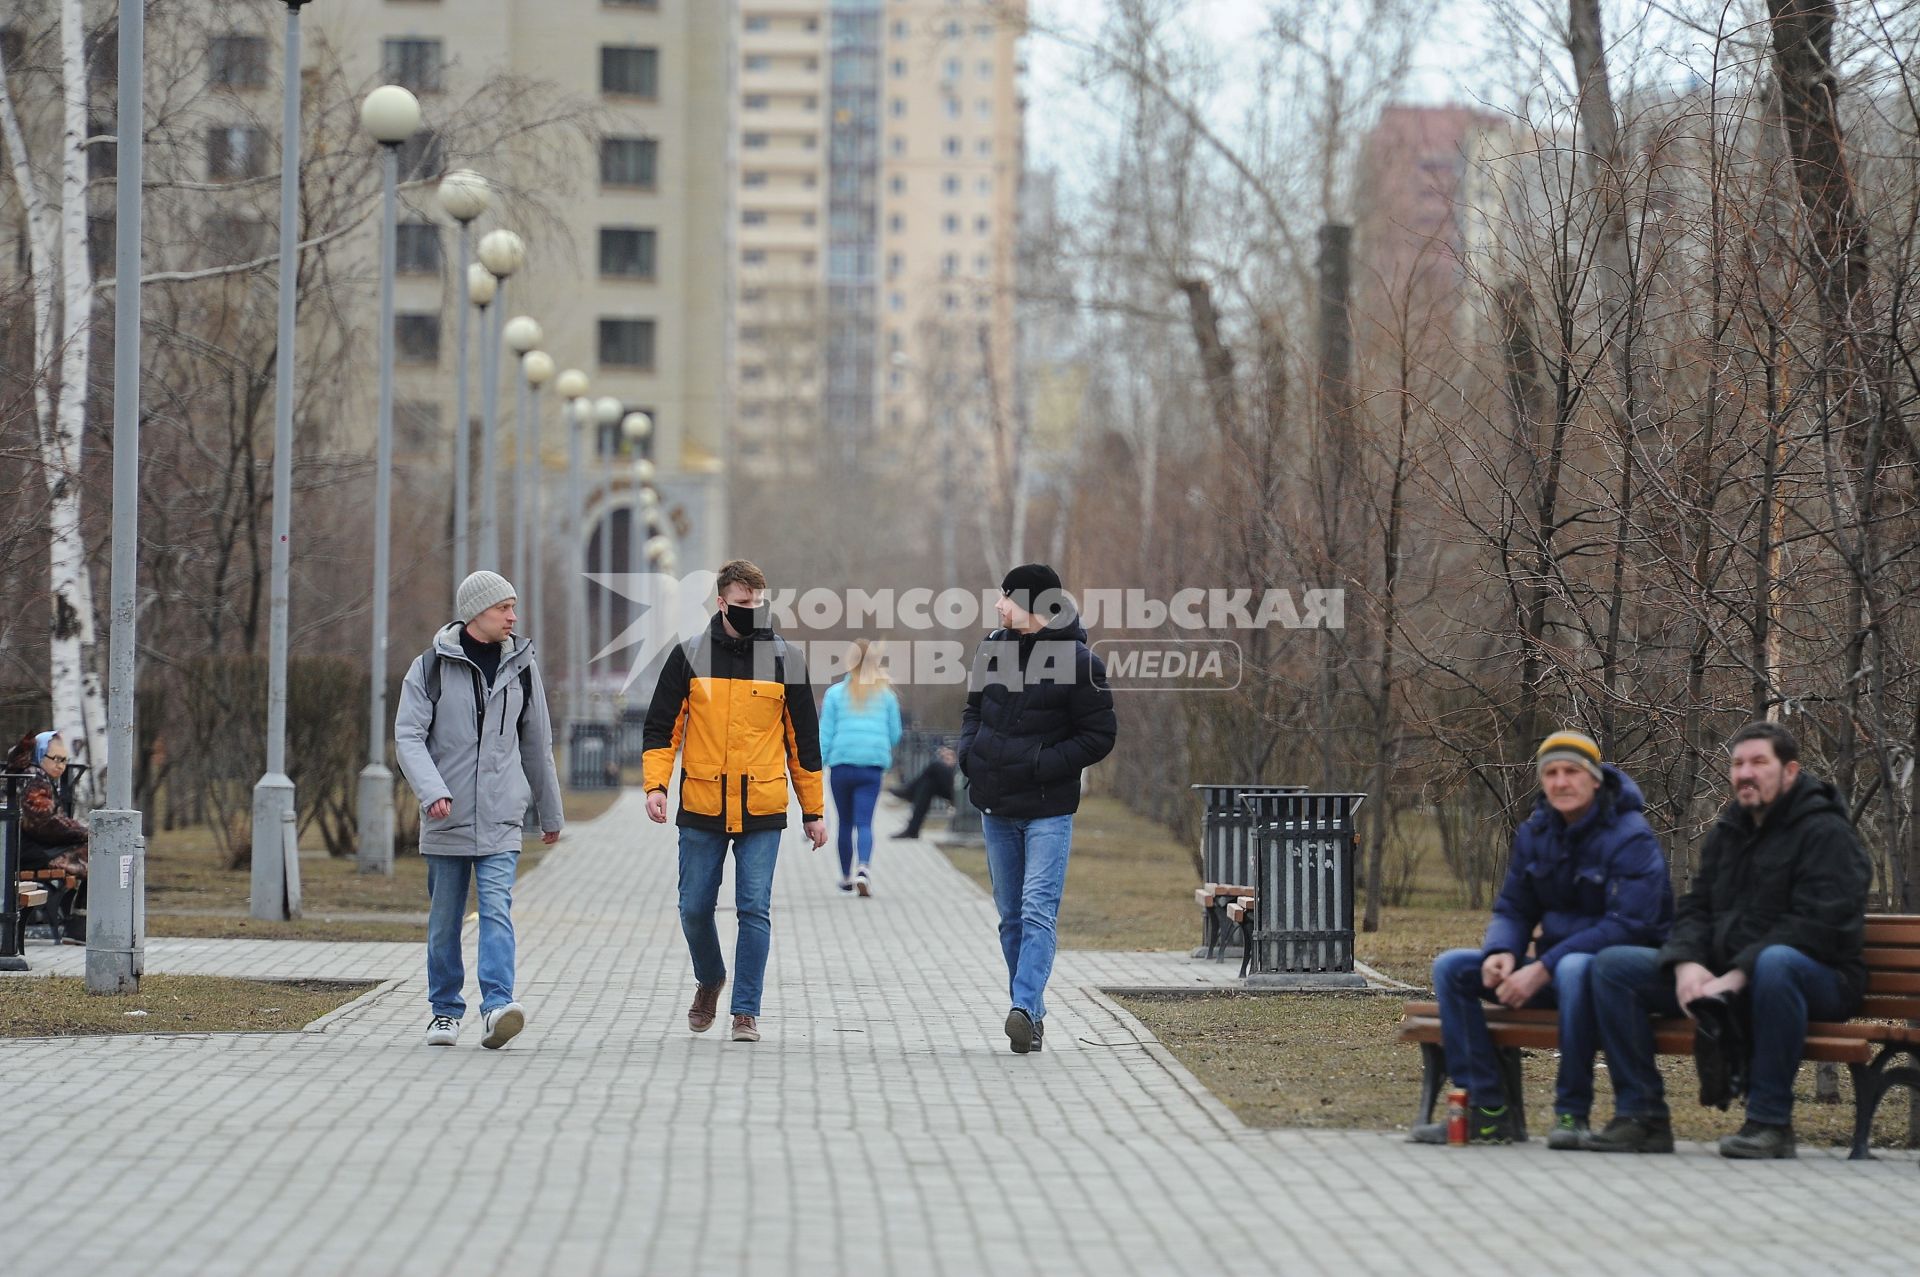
(593, 756)
(1305, 853)
(633, 745)
(13, 931)
(916, 749)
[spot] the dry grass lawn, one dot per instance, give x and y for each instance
(60, 1006)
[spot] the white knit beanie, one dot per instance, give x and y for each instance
(481, 591)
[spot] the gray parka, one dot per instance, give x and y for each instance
(491, 756)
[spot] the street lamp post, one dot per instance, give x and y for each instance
(536, 369)
(607, 414)
(522, 335)
(573, 387)
(502, 253)
(463, 197)
(273, 793)
(392, 115)
(116, 931)
(638, 429)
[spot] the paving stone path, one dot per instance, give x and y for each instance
(880, 1127)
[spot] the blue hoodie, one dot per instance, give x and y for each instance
(859, 737)
(1598, 882)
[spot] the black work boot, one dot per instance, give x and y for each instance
(1039, 1035)
(1484, 1126)
(1758, 1141)
(1632, 1135)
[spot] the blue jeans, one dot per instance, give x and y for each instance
(447, 878)
(1027, 860)
(1787, 989)
(703, 856)
(1471, 1060)
(855, 791)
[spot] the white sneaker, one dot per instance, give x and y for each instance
(443, 1030)
(503, 1024)
(863, 882)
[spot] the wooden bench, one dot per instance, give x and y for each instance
(59, 898)
(1215, 899)
(1868, 1045)
(30, 895)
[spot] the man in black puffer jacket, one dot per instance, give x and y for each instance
(1038, 713)
(1772, 930)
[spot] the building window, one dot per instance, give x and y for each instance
(984, 186)
(895, 264)
(896, 302)
(753, 217)
(759, 22)
(756, 101)
(754, 257)
(237, 61)
(630, 4)
(985, 148)
(950, 184)
(898, 68)
(626, 343)
(953, 68)
(627, 251)
(897, 145)
(949, 265)
(754, 141)
(412, 64)
(897, 108)
(955, 30)
(416, 338)
(759, 62)
(982, 264)
(753, 177)
(629, 71)
(952, 106)
(416, 249)
(897, 184)
(985, 69)
(232, 240)
(950, 224)
(951, 302)
(981, 225)
(416, 426)
(984, 108)
(896, 222)
(422, 155)
(951, 146)
(236, 151)
(900, 29)
(628, 161)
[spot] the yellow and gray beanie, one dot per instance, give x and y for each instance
(1570, 747)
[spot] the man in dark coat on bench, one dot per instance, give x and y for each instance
(1587, 872)
(1770, 936)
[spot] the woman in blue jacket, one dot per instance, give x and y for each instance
(859, 726)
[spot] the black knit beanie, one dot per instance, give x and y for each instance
(1032, 587)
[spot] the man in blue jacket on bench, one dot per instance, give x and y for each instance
(1587, 872)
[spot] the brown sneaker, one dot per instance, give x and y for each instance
(706, 1002)
(744, 1029)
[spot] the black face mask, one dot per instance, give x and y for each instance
(745, 620)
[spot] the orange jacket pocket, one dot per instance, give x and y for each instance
(766, 797)
(700, 795)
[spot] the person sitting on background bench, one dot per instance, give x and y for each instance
(1587, 872)
(934, 781)
(49, 838)
(1771, 935)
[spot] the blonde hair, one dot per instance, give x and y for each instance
(864, 674)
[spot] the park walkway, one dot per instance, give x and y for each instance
(880, 1127)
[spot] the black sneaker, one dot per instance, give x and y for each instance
(1567, 1132)
(1632, 1135)
(1758, 1141)
(1021, 1031)
(1484, 1126)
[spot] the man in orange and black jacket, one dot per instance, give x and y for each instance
(734, 704)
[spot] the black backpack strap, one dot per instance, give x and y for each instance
(431, 677)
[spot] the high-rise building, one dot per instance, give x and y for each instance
(781, 244)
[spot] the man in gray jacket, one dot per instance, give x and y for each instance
(475, 743)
